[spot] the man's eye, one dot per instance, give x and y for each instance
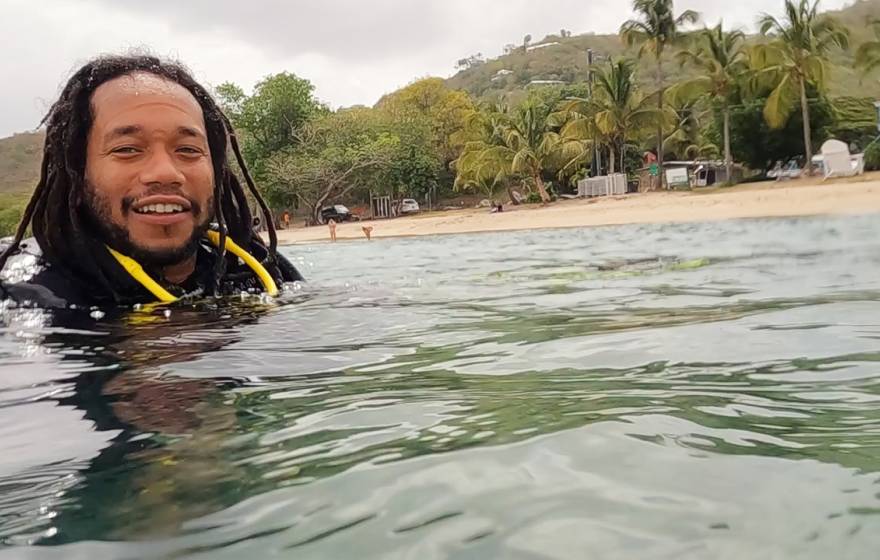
(190, 150)
(125, 150)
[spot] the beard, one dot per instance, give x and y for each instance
(99, 211)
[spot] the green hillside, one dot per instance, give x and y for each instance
(20, 156)
(565, 59)
(20, 161)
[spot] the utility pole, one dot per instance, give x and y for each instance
(596, 164)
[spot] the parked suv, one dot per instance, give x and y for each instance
(409, 206)
(337, 213)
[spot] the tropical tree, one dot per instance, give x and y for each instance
(446, 109)
(758, 145)
(722, 61)
(686, 138)
(533, 147)
(795, 59)
(272, 117)
(656, 28)
(339, 153)
(484, 165)
(516, 144)
(480, 172)
(615, 113)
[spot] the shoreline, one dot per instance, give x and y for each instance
(860, 195)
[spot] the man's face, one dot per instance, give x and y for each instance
(149, 177)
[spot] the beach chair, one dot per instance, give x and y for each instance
(838, 162)
(792, 170)
(776, 172)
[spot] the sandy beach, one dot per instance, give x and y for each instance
(806, 198)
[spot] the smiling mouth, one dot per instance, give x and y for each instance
(161, 209)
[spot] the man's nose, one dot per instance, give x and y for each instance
(161, 168)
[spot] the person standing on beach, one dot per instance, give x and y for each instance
(649, 159)
(332, 225)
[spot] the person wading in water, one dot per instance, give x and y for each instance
(136, 201)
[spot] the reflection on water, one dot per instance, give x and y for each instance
(680, 391)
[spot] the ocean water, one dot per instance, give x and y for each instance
(707, 390)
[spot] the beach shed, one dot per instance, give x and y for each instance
(699, 173)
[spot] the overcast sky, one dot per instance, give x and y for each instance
(354, 51)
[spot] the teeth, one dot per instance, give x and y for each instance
(161, 209)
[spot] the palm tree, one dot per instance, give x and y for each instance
(797, 57)
(476, 170)
(531, 145)
(614, 114)
(514, 144)
(686, 139)
(481, 166)
(656, 28)
(722, 61)
(868, 54)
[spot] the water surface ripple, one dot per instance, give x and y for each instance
(675, 391)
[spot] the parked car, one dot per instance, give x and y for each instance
(337, 213)
(409, 206)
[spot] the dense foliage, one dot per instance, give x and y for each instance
(699, 93)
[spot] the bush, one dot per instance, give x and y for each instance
(758, 146)
(533, 198)
(872, 157)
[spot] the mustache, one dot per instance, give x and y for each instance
(194, 207)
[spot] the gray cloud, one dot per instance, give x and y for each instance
(354, 51)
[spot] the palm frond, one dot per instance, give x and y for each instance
(768, 24)
(687, 16)
(781, 103)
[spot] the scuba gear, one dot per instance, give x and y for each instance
(31, 279)
(138, 273)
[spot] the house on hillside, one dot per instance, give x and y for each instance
(541, 46)
(501, 74)
(546, 83)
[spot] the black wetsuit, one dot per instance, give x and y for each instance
(46, 286)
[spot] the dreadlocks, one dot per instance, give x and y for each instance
(56, 212)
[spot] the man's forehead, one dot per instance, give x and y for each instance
(142, 88)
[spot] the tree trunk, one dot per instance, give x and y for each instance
(612, 160)
(318, 205)
(660, 95)
(808, 143)
(728, 156)
(545, 198)
(513, 199)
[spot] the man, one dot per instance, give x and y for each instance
(136, 201)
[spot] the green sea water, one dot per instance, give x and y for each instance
(707, 390)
